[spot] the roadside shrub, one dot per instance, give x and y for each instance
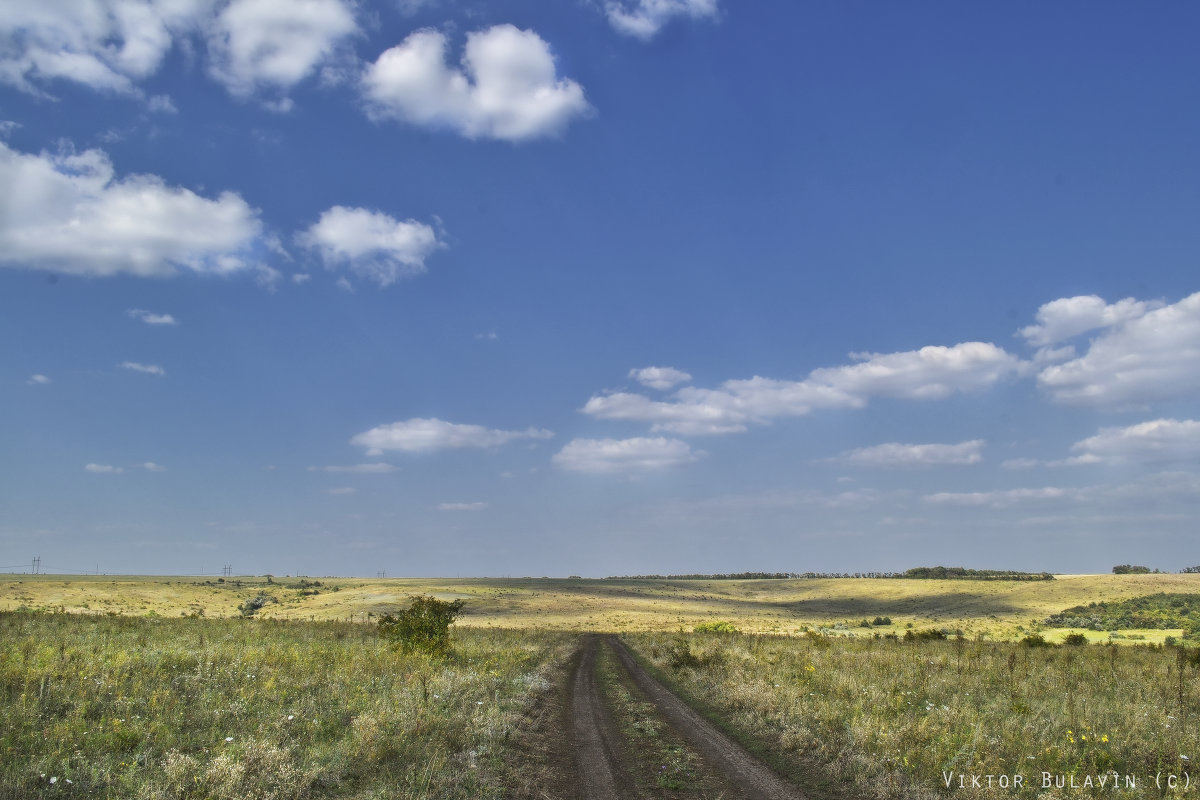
(1075, 639)
(1035, 640)
(422, 627)
(680, 655)
(882, 621)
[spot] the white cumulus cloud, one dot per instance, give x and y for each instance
(661, 378)
(623, 455)
(149, 369)
(103, 469)
(895, 454)
(1066, 317)
(150, 466)
(38, 380)
(275, 44)
(1158, 440)
(106, 45)
(1148, 358)
(430, 435)
(69, 213)
(508, 86)
(371, 243)
(645, 18)
(929, 373)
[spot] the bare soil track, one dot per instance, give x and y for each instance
(603, 770)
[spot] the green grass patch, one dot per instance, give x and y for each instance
(889, 718)
(204, 709)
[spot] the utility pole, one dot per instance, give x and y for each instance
(37, 565)
(227, 570)
(381, 574)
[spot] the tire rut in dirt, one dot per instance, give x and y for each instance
(602, 775)
(755, 780)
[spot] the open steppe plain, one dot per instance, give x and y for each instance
(1001, 609)
(161, 688)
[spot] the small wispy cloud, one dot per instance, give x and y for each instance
(150, 466)
(150, 318)
(377, 468)
(896, 454)
(149, 369)
(462, 506)
(103, 469)
(430, 435)
(341, 490)
(661, 378)
(38, 380)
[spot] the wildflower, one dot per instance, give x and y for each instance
(229, 738)
(1104, 738)
(54, 779)
(291, 717)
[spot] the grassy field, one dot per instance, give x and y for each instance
(889, 719)
(162, 688)
(121, 707)
(1003, 609)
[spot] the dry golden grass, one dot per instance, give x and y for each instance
(1004, 609)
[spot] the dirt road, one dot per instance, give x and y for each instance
(601, 763)
(602, 771)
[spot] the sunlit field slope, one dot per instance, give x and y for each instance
(1005, 609)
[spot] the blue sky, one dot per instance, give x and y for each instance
(456, 288)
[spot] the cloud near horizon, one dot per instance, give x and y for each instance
(929, 373)
(895, 454)
(623, 455)
(431, 435)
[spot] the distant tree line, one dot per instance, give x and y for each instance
(964, 574)
(727, 576)
(920, 573)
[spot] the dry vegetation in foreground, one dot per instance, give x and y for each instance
(1003, 609)
(891, 717)
(121, 707)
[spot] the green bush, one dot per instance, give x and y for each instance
(422, 627)
(251, 606)
(1075, 639)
